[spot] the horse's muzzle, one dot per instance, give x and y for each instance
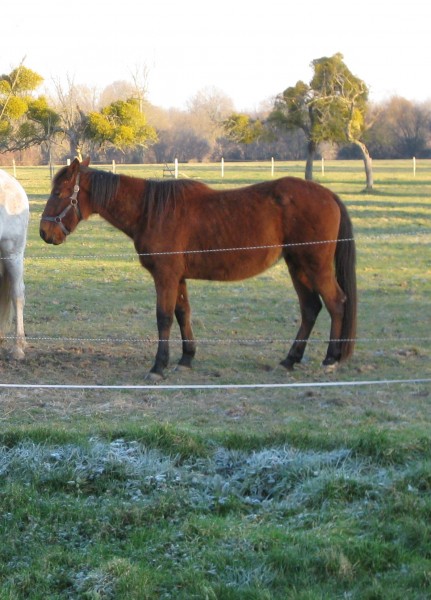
(50, 238)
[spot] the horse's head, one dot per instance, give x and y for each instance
(67, 205)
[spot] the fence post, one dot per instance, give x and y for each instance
(272, 167)
(222, 167)
(176, 168)
(414, 166)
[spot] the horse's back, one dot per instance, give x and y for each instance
(292, 195)
(304, 195)
(14, 214)
(12, 195)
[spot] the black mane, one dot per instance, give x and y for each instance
(163, 195)
(104, 186)
(159, 197)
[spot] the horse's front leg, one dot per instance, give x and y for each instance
(182, 314)
(166, 300)
(20, 343)
(15, 271)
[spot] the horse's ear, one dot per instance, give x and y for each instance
(73, 168)
(86, 162)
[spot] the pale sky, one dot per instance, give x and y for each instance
(248, 50)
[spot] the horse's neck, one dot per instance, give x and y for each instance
(124, 211)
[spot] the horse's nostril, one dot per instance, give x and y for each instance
(43, 235)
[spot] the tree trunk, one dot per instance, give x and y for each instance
(368, 164)
(311, 151)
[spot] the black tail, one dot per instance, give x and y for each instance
(345, 269)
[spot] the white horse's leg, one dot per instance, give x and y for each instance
(15, 268)
(20, 343)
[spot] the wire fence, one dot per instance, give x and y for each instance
(415, 234)
(216, 386)
(419, 234)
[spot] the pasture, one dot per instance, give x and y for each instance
(303, 493)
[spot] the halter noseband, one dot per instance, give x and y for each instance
(73, 205)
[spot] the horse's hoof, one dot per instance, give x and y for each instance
(17, 354)
(183, 368)
(330, 368)
(154, 377)
(287, 364)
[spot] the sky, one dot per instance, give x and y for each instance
(248, 50)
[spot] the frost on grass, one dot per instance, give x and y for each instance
(99, 583)
(282, 476)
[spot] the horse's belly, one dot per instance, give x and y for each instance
(233, 265)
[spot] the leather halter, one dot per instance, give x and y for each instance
(73, 205)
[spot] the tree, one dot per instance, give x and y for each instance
(117, 90)
(207, 110)
(16, 100)
(242, 129)
(293, 109)
(402, 129)
(41, 127)
(332, 108)
(340, 102)
(73, 103)
(181, 142)
(122, 125)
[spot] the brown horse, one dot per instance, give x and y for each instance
(183, 229)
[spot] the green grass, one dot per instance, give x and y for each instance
(311, 493)
(118, 520)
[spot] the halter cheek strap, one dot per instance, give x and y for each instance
(73, 205)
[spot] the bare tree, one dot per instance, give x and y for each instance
(208, 110)
(73, 103)
(140, 78)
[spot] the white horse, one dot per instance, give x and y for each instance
(14, 217)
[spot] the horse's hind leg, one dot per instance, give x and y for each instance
(310, 306)
(182, 314)
(334, 299)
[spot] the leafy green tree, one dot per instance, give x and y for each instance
(243, 129)
(121, 125)
(17, 104)
(41, 125)
(332, 108)
(293, 109)
(340, 101)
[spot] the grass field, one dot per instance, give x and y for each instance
(302, 493)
